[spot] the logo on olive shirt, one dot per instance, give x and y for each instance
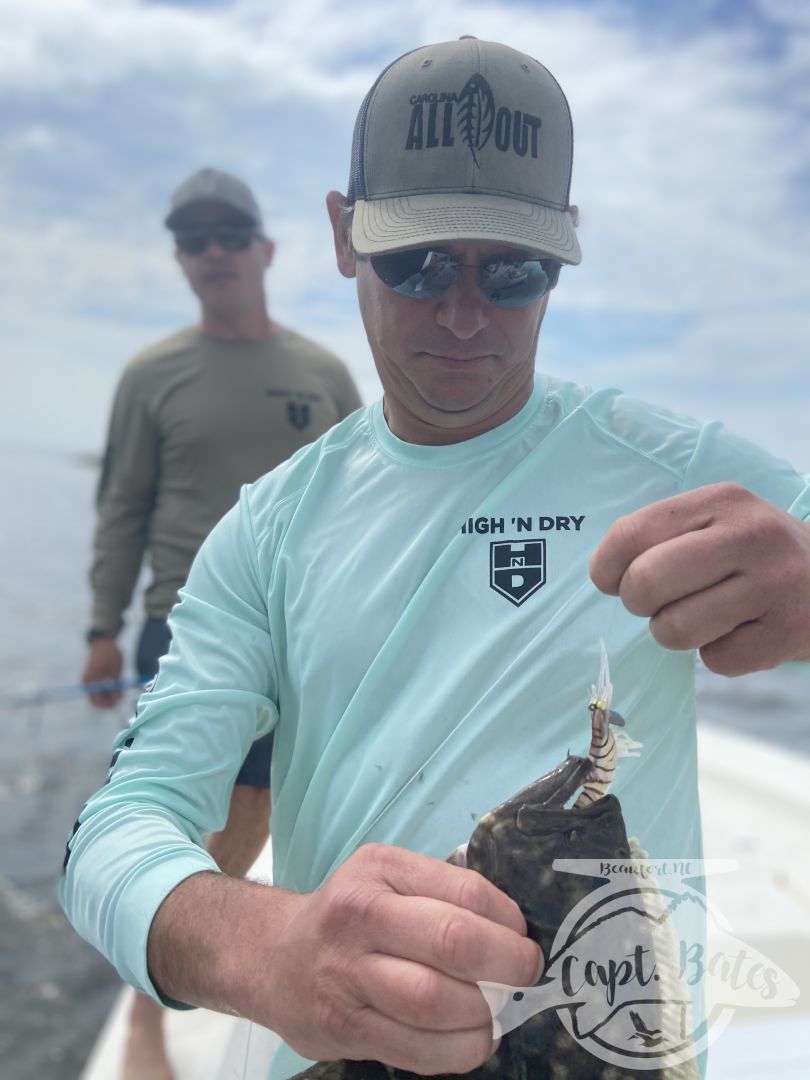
(517, 569)
(298, 414)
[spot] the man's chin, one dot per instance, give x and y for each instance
(462, 397)
(478, 407)
(454, 414)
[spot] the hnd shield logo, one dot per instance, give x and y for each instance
(517, 569)
(298, 414)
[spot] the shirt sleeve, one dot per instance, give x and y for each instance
(126, 498)
(174, 768)
(721, 455)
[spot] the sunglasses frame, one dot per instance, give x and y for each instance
(550, 267)
(218, 231)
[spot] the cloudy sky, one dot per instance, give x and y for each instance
(692, 171)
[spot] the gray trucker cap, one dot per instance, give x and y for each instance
(464, 140)
(213, 186)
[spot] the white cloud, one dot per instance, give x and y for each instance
(68, 264)
(689, 149)
(793, 14)
(257, 51)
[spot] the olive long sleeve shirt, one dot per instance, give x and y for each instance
(194, 418)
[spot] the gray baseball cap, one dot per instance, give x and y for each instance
(213, 186)
(464, 140)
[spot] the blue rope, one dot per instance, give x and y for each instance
(59, 693)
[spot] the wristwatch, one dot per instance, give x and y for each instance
(93, 635)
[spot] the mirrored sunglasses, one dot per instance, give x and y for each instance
(426, 273)
(195, 239)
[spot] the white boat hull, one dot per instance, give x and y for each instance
(756, 810)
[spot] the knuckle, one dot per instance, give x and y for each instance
(625, 531)
(672, 630)
(731, 492)
(373, 854)
(477, 1049)
(474, 892)
(638, 588)
(349, 906)
(339, 1022)
(456, 943)
(766, 532)
(426, 997)
(531, 957)
(717, 661)
(723, 499)
(621, 537)
(728, 657)
(374, 860)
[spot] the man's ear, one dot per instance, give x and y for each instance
(341, 231)
(268, 250)
(573, 210)
(178, 258)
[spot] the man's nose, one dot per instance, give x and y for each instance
(463, 308)
(213, 249)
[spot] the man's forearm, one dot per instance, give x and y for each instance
(236, 847)
(211, 941)
(118, 551)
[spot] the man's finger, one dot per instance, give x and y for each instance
(409, 873)
(420, 996)
(748, 648)
(704, 617)
(675, 569)
(455, 941)
(628, 537)
(377, 1037)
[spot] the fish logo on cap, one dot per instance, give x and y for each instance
(476, 114)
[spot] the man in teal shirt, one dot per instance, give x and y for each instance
(413, 605)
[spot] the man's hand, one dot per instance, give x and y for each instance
(716, 569)
(380, 963)
(104, 663)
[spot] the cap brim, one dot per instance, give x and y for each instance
(382, 225)
(187, 213)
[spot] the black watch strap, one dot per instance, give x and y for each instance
(93, 635)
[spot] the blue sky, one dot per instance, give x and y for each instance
(692, 171)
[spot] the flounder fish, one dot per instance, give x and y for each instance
(514, 845)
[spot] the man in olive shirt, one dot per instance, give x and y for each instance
(196, 416)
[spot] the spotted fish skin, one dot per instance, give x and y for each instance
(514, 846)
(516, 853)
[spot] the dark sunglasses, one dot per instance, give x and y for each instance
(194, 240)
(426, 273)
